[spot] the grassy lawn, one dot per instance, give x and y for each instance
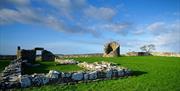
(3, 64)
(151, 74)
(46, 66)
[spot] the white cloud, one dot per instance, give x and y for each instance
(62, 15)
(169, 41)
(67, 5)
(167, 36)
(66, 8)
(22, 16)
(121, 28)
(20, 2)
(156, 26)
(115, 27)
(100, 13)
(25, 14)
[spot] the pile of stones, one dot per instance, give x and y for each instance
(98, 65)
(66, 61)
(106, 69)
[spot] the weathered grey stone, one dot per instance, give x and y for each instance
(120, 72)
(66, 74)
(127, 72)
(86, 76)
(108, 73)
(93, 75)
(77, 76)
(111, 49)
(2, 85)
(53, 74)
(39, 79)
(13, 78)
(12, 84)
(24, 81)
(101, 74)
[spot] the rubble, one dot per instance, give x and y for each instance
(66, 61)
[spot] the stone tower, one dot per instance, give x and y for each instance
(111, 49)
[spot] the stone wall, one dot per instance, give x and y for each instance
(138, 54)
(168, 54)
(29, 55)
(9, 77)
(80, 55)
(12, 76)
(47, 56)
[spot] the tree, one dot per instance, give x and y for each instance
(148, 48)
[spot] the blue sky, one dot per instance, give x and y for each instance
(84, 26)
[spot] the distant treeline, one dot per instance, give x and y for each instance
(7, 57)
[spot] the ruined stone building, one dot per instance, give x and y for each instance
(30, 55)
(111, 49)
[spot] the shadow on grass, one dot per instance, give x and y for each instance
(46, 66)
(138, 73)
(43, 68)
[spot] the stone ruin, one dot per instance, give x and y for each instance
(111, 49)
(138, 54)
(13, 75)
(30, 55)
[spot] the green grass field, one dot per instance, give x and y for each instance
(3, 64)
(150, 74)
(46, 66)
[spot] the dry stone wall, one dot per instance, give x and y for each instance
(9, 77)
(12, 76)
